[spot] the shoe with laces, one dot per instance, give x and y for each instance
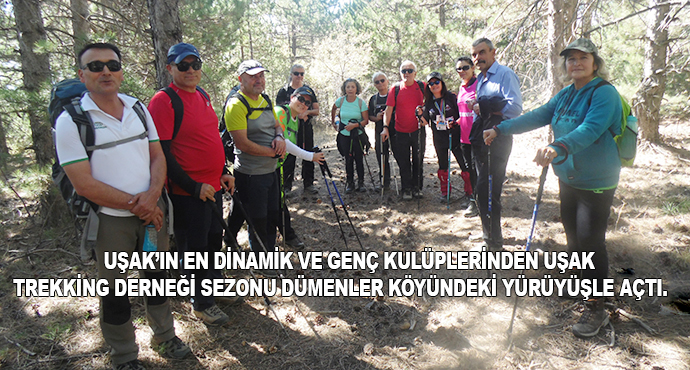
(174, 348)
(311, 189)
(131, 365)
(407, 195)
(295, 243)
(472, 210)
(212, 316)
(350, 187)
(592, 320)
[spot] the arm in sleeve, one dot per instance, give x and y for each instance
(298, 152)
(529, 121)
(510, 88)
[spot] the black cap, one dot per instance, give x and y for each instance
(435, 75)
(304, 90)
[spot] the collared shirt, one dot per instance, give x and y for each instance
(125, 167)
(501, 81)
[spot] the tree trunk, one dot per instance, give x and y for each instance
(80, 25)
(4, 150)
(442, 15)
(166, 31)
(559, 34)
(36, 72)
(647, 100)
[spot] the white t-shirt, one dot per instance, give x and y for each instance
(125, 167)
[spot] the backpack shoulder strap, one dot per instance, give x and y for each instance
(244, 101)
(397, 91)
(203, 92)
(139, 110)
(84, 124)
(268, 99)
(178, 108)
(598, 85)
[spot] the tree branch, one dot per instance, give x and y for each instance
(621, 19)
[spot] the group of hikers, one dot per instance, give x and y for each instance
(174, 144)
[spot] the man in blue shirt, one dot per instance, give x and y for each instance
(498, 99)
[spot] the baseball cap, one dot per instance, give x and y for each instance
(435, 75)
(180, 51)
(304, 90)
(250, 67)
(584, 45)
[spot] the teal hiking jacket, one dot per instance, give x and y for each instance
(584, 123)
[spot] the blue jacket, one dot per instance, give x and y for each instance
(587, 154)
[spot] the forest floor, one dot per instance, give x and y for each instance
(648, 235)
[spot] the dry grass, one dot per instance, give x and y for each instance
(648, 232)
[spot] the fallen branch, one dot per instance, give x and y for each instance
(35, 251)
(15, 192)
(30, 353)
(632, 317)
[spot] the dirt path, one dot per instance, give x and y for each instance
(648, 233)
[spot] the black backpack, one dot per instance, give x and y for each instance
(178, 107)
(66, 96)
(228, 144)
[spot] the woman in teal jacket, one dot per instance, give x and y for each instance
(584, 117)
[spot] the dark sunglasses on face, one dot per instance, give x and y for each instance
(404, 71)
(298, 73)
(463, 68)
(304, 101)
(184, 66)
(97, 66)
(379, 81)
(435, 82)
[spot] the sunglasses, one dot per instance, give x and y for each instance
(463, 68)
(298, 73)
(432, 83)
(97, 66)
(184, 66)
(405, 71)
(380, 81)
(304, 101)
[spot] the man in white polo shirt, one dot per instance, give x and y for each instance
(125, 179)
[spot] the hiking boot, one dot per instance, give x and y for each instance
(229, 301)
(295, 243)
(350, 187)
(174, 348)
(417, 193)
(407, 195)
(131, 365)
(360, 187)
(476, 237)
(311, 189)
(592, 320)
(212, 316)
(464, 201)
(472, 210)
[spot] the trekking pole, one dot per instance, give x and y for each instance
(394, 174)
(326, 170)
(383, 167)
(330, 195)
(540, 191)
(491, 189)
(419, 154)
(450, 144)
(219, 216)
(371, 176)
(282, 205)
